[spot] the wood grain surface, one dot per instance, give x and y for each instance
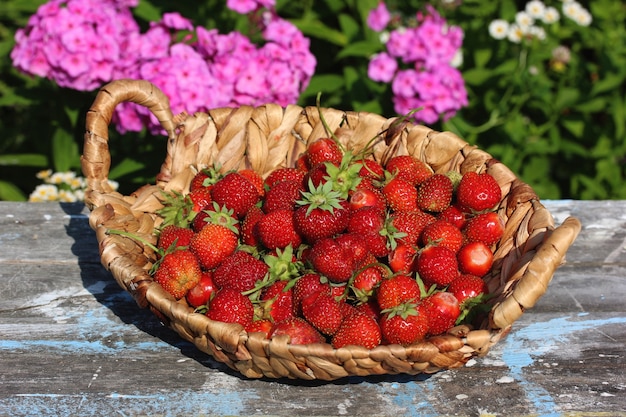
(73, 343)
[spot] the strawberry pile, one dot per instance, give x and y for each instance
(338, 249)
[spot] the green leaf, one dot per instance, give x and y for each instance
(566, 97)
(317, 29)
(482, 57)
(592, 106)
(24, 160)
(325, 83)
(477, 76)
(575, 127)
(9, 192)
(125, 167)
(363, 49)
(348, 25)
(146, 11)
(609, 82)
(65, 154)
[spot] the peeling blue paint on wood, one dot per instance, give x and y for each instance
(538, 339)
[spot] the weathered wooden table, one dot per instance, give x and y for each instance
(73, 343)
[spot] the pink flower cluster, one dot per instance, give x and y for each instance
(80, 44)
(417, 61)
(204, 70)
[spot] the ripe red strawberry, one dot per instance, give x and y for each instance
(277, 301)
(277, 229)
(434, 194)
(370, 308)
(442, 233)
(205, 178)
(357, 329)
(355, 246)
(178, 272)
(256, 180)
(453, 215)
(172, 234)
(300, 331)
(400, 195)
(437, 265)
(239, 271)
(367, 197)
(402, 259)
(305, 285)
(404, 324)
(200, 198)
(396, 290)
(201, 293)
(213, 244)
(323, 311)
(249, 228)
(235, 192)
(332, 260)
(230, 306)
(485, 227)
(260, 326)
(321, 213)
(323, 150)
(283, 195)
(467, 286)
(283, 174)
(366, 220)
(442, 309)
(317, 175)
(410, 224)
(475, 258)
(371, 170)
(409, 168)
(366, 281)
(478, 192)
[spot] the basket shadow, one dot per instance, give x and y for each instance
(101, 284)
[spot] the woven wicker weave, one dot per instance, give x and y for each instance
(270, 136)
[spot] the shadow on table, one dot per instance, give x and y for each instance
(100, 283)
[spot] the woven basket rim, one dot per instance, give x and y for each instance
(250, 133)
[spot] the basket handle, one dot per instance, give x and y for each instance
(96, 158)
(539, 273)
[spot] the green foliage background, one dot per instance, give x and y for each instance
(563, 132)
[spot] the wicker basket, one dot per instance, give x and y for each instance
(264, 138)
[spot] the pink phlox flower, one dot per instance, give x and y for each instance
(176, 21)
(400, 43)
(55, 52)
(382, 67)
(404, 83)
(75, 39)
(379, 17)
(242, 6)
(280, 31)
(155, 43)
(252, 80)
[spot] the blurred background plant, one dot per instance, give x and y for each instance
(539, 85)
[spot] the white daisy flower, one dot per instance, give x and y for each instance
(44, 192)
(515, 33)
(571, 9)
(498, 29)
(535, 9)
(583, 17)
(66, 196)
(44, 174)
(524, 20)
(550, 15)
(457, 59)
(538, 32)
